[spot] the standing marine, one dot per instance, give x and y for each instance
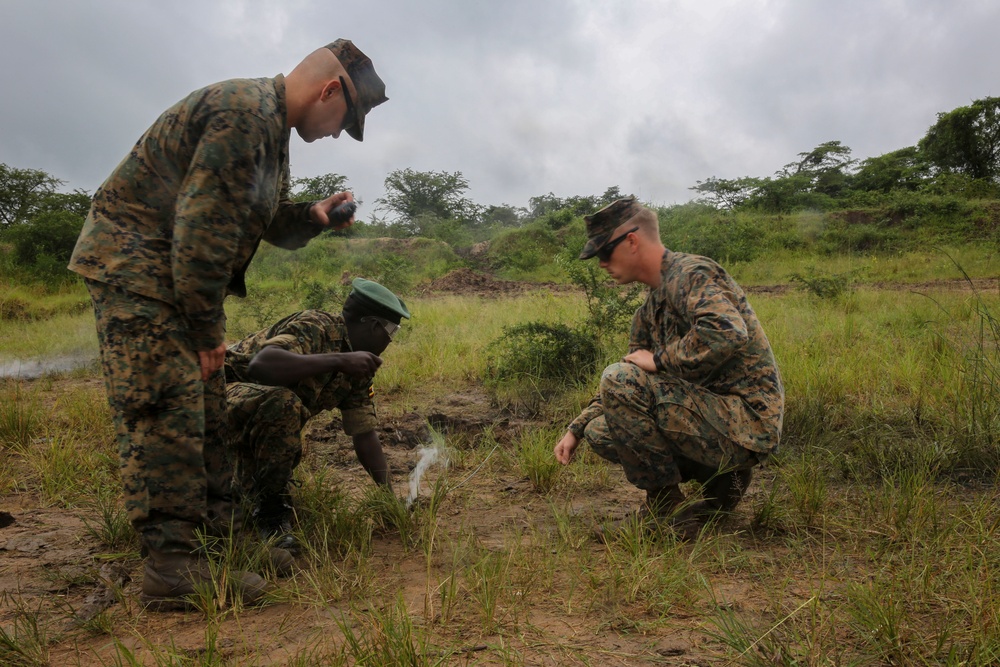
(169, 235)
(698, 396)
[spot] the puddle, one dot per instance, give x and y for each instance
(29, 369)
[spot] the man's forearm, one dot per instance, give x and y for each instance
(372, 458)
(278, 367)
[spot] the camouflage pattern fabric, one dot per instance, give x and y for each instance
(169, 424)
(653, 424)
(266, 421)
(717, 388)
(181, 216)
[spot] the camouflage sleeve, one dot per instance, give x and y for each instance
(593, 410)
(639, 338)
(291, 227)
(210, 216)
(717, 330)
(358, 411)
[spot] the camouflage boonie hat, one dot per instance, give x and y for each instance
(378, 300)
(370, 88)
(603, 223)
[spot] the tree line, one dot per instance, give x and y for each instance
(959, 156)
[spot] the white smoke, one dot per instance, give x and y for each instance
(428, 456)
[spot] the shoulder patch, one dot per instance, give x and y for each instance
(371, 390)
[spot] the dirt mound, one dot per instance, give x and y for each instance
(467, 281)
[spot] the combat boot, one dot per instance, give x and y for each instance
(666, 507)
(172, 580)
(273, 518)
(724, 491)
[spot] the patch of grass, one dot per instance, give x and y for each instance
(113, 527)
(536, 458)
(387, 637)
(20, 416)
(24, 642)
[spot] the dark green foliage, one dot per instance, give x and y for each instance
(537, 352)
(966, 140)
(502, 216)
(904, 169)
(43, 245)
(523, 249)
(725, 237)
(318, 187)
(53, 234)
(544, 205)
(22, 193)
(727, 194)
(411, 194)
(863, 238)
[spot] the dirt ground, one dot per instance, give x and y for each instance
(50, 561)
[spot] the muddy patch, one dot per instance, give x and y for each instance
(465, 281)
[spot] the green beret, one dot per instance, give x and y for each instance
(379, 300)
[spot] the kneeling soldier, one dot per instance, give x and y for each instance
(699, 395)
(279, 378)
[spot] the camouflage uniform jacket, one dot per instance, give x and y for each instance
(182, 215)
(312, 332)
(701, 329)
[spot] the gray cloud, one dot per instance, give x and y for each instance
(522, 97)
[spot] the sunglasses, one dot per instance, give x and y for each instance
(390, 327)
(604, 254)
(351, 117)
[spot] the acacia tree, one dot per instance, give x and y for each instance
(966, 140)
(417, 196)
(23, 192)
(317, 187)
(727, 193)
(827, 166)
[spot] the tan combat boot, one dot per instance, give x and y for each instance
(172, 580)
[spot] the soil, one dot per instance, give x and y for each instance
(51, 562)
(466, 281)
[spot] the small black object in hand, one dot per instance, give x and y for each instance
(343, 212)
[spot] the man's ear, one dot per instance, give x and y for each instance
(331, 88)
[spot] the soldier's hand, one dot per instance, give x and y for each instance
(643, 359)
(320, 211)
(358, 364)
(566, 447)
(211, 361)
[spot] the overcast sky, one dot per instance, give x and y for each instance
(522, 97)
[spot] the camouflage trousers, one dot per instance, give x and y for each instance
(663, 430)
(169, 424)
(264, 438)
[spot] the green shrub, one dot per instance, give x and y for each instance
(610, 307)
(524, 249)
(864, 238)
(825, 286)
(41, 247)
(541, 351)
